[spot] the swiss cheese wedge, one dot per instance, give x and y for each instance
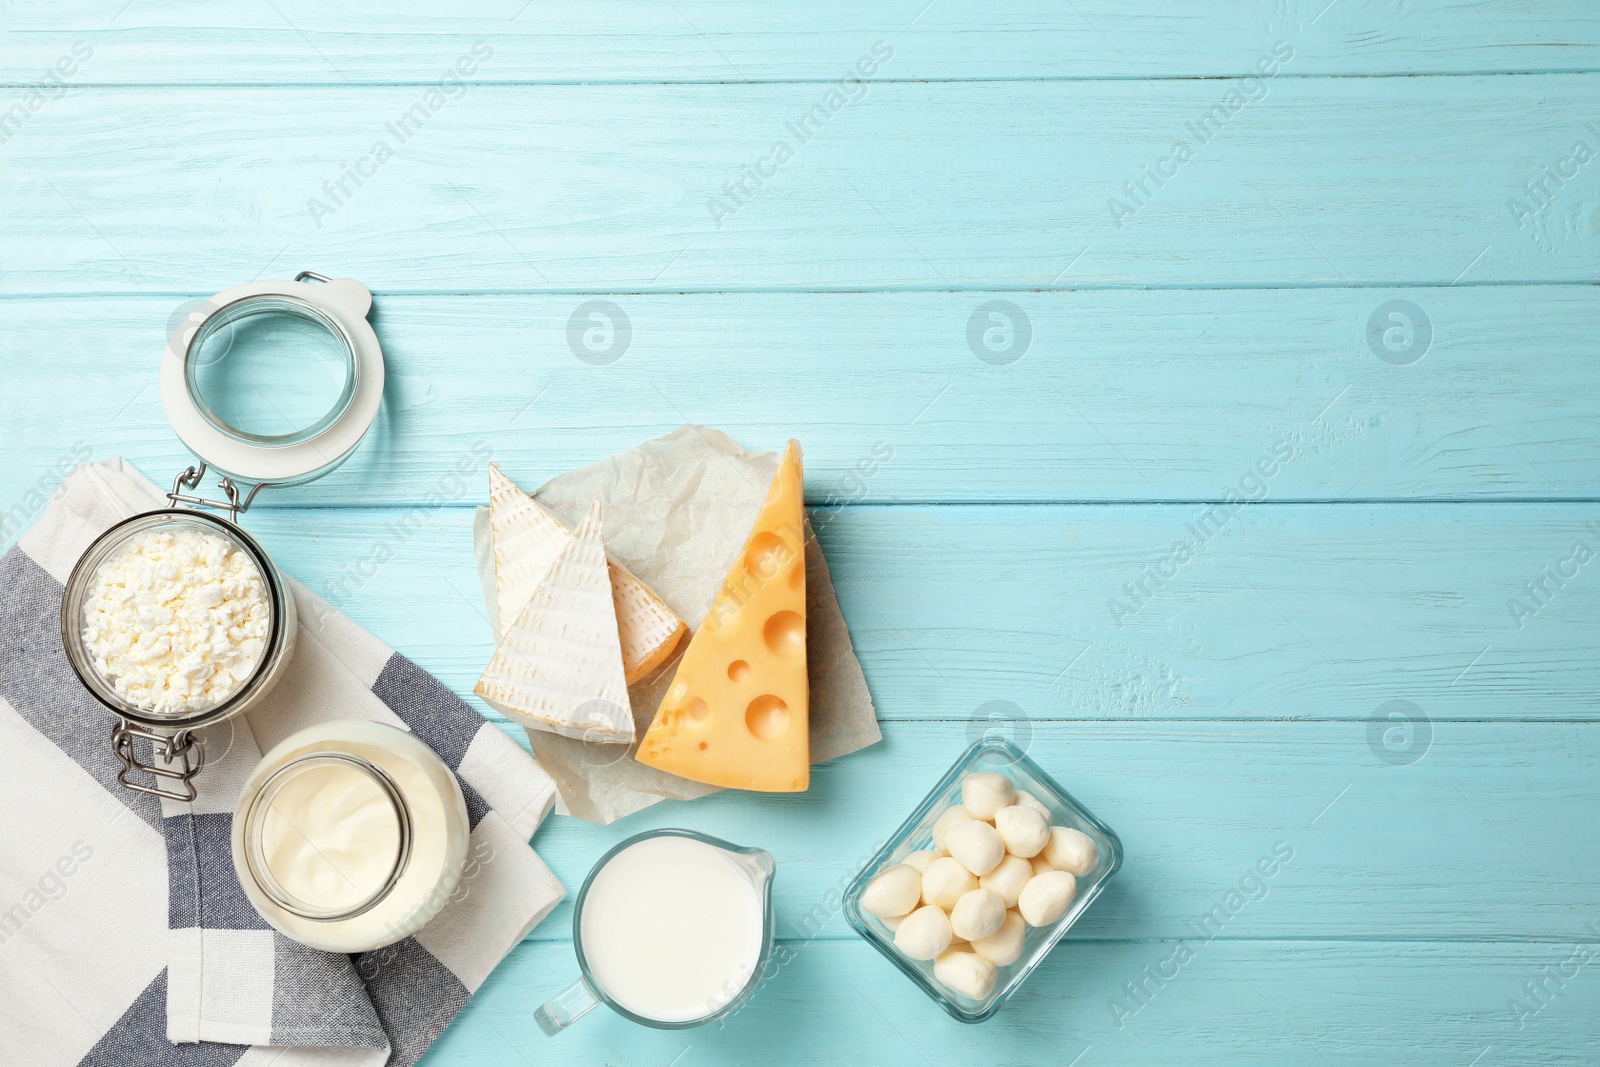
(737, 712)
(559, 665)
(526, 541)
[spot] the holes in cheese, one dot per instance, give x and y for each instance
(765, 554)
(785, 635)
(746, 664)
(767, 716)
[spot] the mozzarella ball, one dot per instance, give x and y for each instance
(977, 846)
(924, 933)
(941, 826)
(892, 921)
(977, 914)
(1026, 799)
(1041, 865)
(1008, 879)
(985, 793)
(966, 973)
(922, 858)
(1004, 946)
(1025, 831)
(1047, 897)
(895, 891)
(944, 881)
(1071, 850)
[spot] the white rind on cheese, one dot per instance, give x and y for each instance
(559, 664)
(527, 539)
(648, 629)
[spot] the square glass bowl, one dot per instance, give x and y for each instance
(989, 754)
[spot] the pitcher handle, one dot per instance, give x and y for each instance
(566, 1007)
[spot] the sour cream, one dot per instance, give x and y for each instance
(331, 836)
(350, 835)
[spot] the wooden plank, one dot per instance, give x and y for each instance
(191, 42)
(1121, 395)
(1021, 185)
(1234, 1004)
(1469, 841)
(1291, 611)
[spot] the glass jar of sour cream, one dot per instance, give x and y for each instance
(350, 835)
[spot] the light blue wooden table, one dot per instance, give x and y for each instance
(1315, 277)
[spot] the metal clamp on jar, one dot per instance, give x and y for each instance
(194, 533)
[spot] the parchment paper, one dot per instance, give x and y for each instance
(676, 511)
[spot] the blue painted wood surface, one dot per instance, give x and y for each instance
(1223, 331)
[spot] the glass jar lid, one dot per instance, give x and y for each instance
(275, 382)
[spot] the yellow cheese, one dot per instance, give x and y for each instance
(527, 539)
(737, 712)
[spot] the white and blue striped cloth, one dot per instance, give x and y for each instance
(125, 938)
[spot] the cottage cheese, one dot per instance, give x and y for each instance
(177, 619)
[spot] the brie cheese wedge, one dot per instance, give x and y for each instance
(559, 664)
(526, 540)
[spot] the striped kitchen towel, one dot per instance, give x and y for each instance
(125, 938)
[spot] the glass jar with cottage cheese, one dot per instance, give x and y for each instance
(177, 619)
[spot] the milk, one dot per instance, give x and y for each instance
(672, 928)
